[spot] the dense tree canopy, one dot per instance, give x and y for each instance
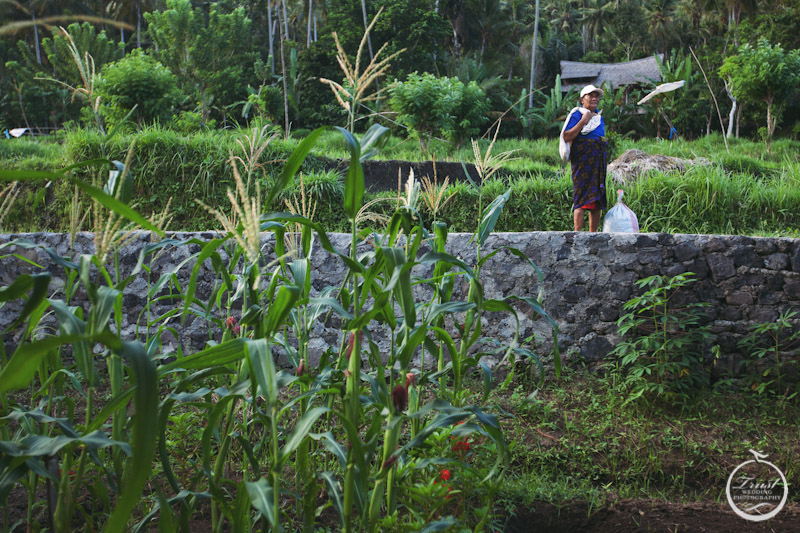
(222, 51)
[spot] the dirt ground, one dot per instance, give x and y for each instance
(646, 515)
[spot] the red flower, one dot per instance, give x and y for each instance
(400, 397)
(237, 330)
(461, 445)
(445, 474)
(411, 378)
(230, 322)
(301, 368)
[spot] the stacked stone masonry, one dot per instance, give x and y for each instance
(587, 279)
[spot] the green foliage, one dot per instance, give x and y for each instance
(87, 41)
(210, 52)
(687, 108)
(423, 29)
(766, 74)
(548, 118)
(374, 434)
(772, 351)
(580, 440)
(268, 103)
(188, 122)
(470, 114)
(438, 106)
(761, 188)
(137, 80)
(662, 354)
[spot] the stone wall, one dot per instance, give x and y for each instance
(587, 279)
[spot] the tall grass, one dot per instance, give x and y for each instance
(29, 153)
(709, 200)
(746, 191)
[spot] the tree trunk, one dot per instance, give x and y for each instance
(203, 111)
(138, 23)
(22, 109)
(285, 26)
(772, 121)
(738, 120)
(731, 116)
(369, 39)
(35, 34)
(283, 76)
(308, 26)
(584, 37)
(270, 36)
(533, 55)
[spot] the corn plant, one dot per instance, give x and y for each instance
(361, 423)
(354, 90)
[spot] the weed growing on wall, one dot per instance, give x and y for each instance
(772, 347)
(663, 348)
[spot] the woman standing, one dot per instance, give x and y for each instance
(588, 158)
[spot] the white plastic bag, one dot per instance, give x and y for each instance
(563, 146)
(620, 218)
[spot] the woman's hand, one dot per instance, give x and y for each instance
(573, 132)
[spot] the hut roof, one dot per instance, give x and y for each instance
(575, 73)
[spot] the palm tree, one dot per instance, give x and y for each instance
(562, 14)
(129, 11)
(490, 19)
(692, 12)
(594, 16)
(660, 19)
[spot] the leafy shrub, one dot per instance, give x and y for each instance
(139, 80)
(772, 346)
(87, 40)
(188, 122)
(268, 103)
(470, 114)
(438, 106)
(662, 353)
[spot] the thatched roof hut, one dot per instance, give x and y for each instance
(637, 72)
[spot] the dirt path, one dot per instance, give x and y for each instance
(646, 515)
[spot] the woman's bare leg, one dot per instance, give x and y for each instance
(594, 219)
(577, 219)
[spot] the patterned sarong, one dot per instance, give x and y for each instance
(588, 158)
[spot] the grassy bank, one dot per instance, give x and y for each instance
(578, 439)
(746, 191)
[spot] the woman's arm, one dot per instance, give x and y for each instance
(573, 132)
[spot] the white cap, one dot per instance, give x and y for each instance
(591, 89)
